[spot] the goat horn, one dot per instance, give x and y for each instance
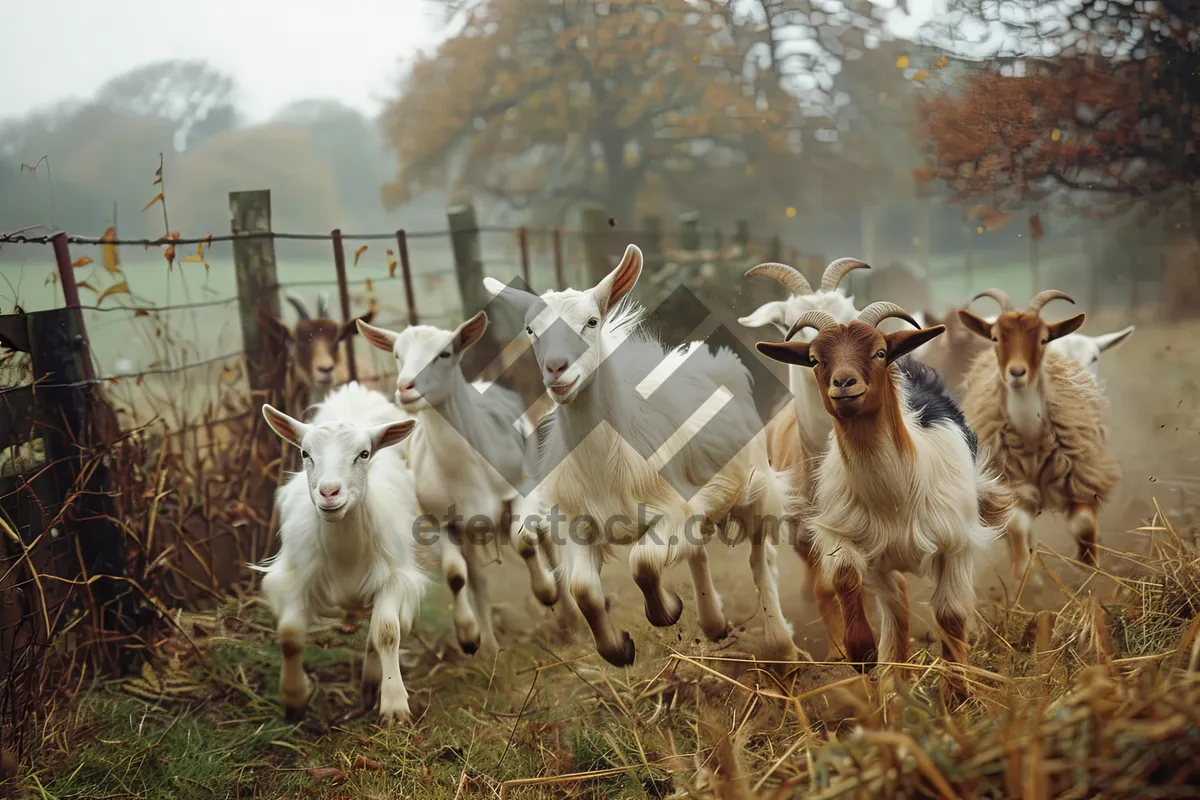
(790, 277)
(1041, 298)
(298, 304)
(323, 305)
(879, 311)
(837, 270)
(1006, 303)
(811, 319)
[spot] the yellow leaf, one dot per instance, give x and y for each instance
(979, 229)
(1055, 135)
(921, 75)
(196, 257)
(916, 241)
(370, 286)
(81, 262)
(86, 285)
(941, 62)
(749, 170)
(902, 62)
(391, 262)
(157, 198)
(791, 212)
(112, 262)
(141, 312)
(116, 288)
(231, 372)
(358, 253)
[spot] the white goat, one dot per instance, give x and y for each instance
(640, 430)
(1087, 349)
(470, 461)
(902, 487)
(347, 530)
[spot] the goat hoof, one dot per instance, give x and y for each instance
(624, 655)
(457, 582)
(1087, 555)
(666, 615)
(548, 597)
(370, 696)
(395, 716)
(470, 648)
(293, 714)
(718, 634)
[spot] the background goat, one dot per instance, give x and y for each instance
(901, 488)
(625, 441)
(347, 532)
(1044, 420)
(317, 353)
(469, 462)
(1088, 349)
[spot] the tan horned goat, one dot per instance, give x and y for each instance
(1044, 420)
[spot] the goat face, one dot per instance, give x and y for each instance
(829, 299)
(1020, 337)
(336, 457)
(565, 327)
(1087, 349)
(316, 351)
(851, 361)
(428, 359)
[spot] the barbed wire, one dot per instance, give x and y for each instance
(117, 378)
(175, 307)
(20, 238)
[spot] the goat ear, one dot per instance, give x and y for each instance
(772, 313)
(379, 337)
(520, 298)
(470, 331)
(975, 324)
(351, 327)
(274, 323)
(289, 429)
(390, 433)
(620, 282)
(1057, 330)
(787, 352)
(901, 343)
(932, 319)
(1108, 341)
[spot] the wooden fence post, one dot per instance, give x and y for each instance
(406, 273)
(523, 249)
(653, 249)
(689, 231)
(339, 264)
(593, 220)
(560, 277)
(741, 233)
(468, 267)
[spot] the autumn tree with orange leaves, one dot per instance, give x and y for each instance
(545, 105)
(1109, 120)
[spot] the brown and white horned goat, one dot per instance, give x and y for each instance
(798, 433)
(902, 488)
(1044, 420)
(317, 354)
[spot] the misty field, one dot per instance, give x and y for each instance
(1087, 684)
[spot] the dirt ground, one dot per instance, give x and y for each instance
(1153, 384)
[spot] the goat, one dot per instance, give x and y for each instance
(1044, 420)
(902, 488)
(952, 354)
(1087, 349)
(469, 462)
(346, 533)
(623, 442)
(316, 347)
(798, 433)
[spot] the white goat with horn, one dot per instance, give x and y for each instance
(645, 451)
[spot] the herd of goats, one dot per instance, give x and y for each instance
(903, 452)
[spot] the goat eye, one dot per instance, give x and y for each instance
(994, 339)
(1045, 341)
(881, 354)
(365, 454)
(444, 355)
(529, 330)
(304, 455)
(593, 322)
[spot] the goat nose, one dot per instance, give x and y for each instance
(330, 490)
(556, 366)
(325, 369)
(408, 386)
(842, 383)
(1016, 371)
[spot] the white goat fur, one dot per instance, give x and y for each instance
(361, 560)
(604, 478)
(1087, 349)
(469, 462)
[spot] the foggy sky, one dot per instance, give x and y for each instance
(278, 51)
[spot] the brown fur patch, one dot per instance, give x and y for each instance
(387, 637)
(860, 639)
(953, 629)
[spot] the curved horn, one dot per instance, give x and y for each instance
(1006, 303)
(838, 269)
(789, 277)
(879, 311)
(1041, 298)
(811, 319)
(297, 304)
(323, 305)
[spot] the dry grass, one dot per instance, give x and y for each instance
(1098, 697)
